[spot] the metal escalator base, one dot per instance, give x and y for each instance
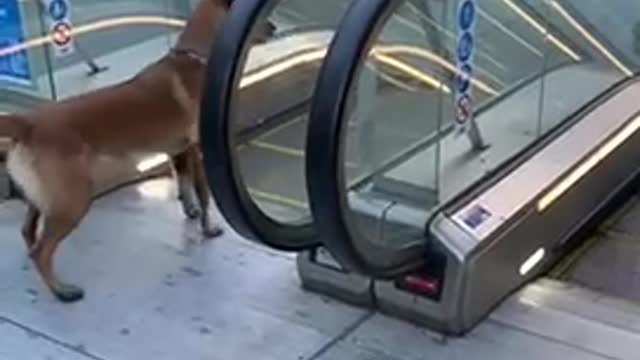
(320, 273)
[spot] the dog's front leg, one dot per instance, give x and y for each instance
(209, 229)
(184, 174)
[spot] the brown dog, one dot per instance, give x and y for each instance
(154, 112)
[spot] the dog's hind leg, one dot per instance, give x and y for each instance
(56, 227)
(184, 174)
(21, 166)
(202, 191)
(68, 195)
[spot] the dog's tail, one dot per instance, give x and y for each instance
(14, 127)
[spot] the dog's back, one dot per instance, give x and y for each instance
(153, 112)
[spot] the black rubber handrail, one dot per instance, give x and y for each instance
(224, 71)
(325, 154)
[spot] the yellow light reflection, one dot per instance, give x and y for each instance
(94, 26)
(269, 71)
(542, 30)
(282, 66)
(589, 163)
(430, 56)
(317, 55)
(151, 162)
(590, 38)
(413, 72)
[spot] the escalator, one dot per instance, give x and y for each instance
(369, 174)
(562, 135)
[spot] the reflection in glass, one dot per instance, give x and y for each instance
(396, 109)
(104, 32)
(269, 122)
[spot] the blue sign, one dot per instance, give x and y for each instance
(58, 10)
(467, 15)
(14, 65)
(464, 58)
(476, 216)
(465, 47)
(463, 79)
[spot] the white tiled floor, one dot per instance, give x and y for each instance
(155, 292)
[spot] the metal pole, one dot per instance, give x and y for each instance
(475, 136)
(47, 53)
(94, 68)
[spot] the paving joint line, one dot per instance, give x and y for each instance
(80, 350)
(342, 335)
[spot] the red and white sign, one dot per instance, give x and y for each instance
(61, 34)
(58, 13)
(463, 110)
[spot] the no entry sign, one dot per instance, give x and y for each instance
(58, 13)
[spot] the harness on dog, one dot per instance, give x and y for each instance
(190, 54)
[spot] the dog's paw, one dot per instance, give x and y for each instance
(67, 293)
(190, 207)
(192, 211)
(211, 232)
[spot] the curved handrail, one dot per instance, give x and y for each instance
(324, 162)
(223, 76)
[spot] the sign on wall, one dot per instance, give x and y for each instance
(465, 50)
(14, 64)
(58, 13)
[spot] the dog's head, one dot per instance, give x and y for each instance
(202, 26)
